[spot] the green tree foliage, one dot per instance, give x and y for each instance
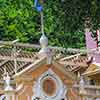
(64, 21)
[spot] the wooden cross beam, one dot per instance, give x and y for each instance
(70, 57)
(3, 62)
(27, 45)
(10, 58)
(74, 64)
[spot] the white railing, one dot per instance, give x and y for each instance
(91, 91)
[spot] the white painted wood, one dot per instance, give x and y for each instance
(38, 90)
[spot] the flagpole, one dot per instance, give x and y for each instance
(42, 22)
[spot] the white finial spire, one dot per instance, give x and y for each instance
(7, 82)
(44, 46)
(82, 85)
(8, 90)
(82, 81)
(43, 40)
(45, 51)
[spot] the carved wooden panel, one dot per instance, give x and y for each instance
(49, 86)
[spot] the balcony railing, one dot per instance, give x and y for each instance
(91, 91)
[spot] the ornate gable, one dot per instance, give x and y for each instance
(49, 87)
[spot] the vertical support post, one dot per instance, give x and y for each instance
(14, 55)
(15, 62)
(42, 23)
(98, 39)
(13, 96)
(9, 95)
(82, 91)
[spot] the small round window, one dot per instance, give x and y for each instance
(49, 86)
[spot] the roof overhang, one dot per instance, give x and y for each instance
(93, 69)
(31, 67)
(65, 71)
